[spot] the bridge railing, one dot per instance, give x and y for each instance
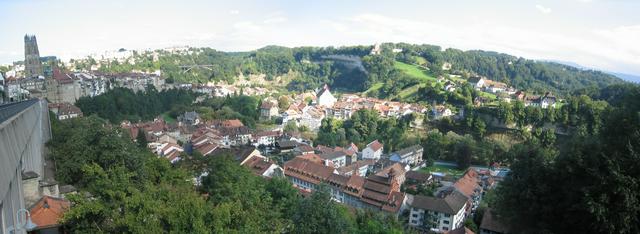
(9, 110)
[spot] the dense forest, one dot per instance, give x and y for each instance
(589, 185)
(354, 69)
(127, 189)
(124, 104)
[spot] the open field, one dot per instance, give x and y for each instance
(449, 170)
(414, 71)
(374, 87)
(168, 118)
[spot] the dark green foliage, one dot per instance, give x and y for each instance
(318, 214)
(363, 127)
(244, 108)
(131, 189)
(141, 139)
(521, 73)
(123, 104)
(592, 185)
(134, 191)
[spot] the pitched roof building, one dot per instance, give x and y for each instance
(47, 212)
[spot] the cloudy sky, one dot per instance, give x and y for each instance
(603, 34)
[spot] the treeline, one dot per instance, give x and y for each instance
(579, 113)
(525, 74)
(314, 66)
(590, 185)
(127, 189)
(244, 108)
(124, 104)
(365, 126)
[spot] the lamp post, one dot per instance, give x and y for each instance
(24, 221)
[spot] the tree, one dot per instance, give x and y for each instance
(479, 128)
(141, 139)
(291, 126)
(505, 113)
(319, 214)
(283, 102)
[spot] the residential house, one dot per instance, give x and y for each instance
(46, 215)
(240, 154)
(548, 100)
(351, 154)
(470, 185)
(415, 177)
(265, 138)
(291, 114)
(262, 166)
(325, 98)
(491, 224)
(437, 214)
(336, 158)
(311, 117)
(65, 110)
(411, 155)
(373, 150)
(396, 170)
(495, 86)
(356, 191)
(477, 82)
(189, 118)
(441, 111)
(360, 168)
(286, 146)
(268, 110)
(236, 136)
(303, 149)
(382, 191)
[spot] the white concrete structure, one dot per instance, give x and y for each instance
(325, 98)
(437, 214)
(373, 151)
(24, 129)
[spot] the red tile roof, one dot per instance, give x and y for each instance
(46, 212)
(375, 145)
(468, 183)
(258, 165)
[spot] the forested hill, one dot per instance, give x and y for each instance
(309, 67)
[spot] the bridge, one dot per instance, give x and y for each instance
(24, 130)
(187, 68)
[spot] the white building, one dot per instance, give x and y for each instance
(411, 155)
(438, 214)
(441, 112)
(336, 159)
(373, 150)
(311, 118)
(325, 98)
(477, 82)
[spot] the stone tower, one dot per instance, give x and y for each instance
(32, 64)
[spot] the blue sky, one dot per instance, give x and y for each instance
(603, 34)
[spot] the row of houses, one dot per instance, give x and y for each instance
(308, 109)
(451, 205)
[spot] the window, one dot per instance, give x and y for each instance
(447, 215)
(414, 221)
(415, 215)
(445, 228)
(445, 222)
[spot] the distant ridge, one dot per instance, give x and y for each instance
(626, 77)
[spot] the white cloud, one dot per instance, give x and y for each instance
(543, 10)
(608, 49)
(274, 20)
(234, 12)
